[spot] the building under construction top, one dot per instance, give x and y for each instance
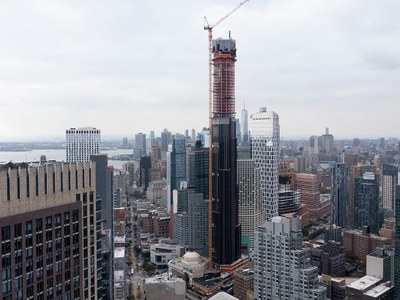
(224, 57)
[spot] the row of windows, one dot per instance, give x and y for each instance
(46, 185)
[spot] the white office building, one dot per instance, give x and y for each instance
(282, 268)
(82, 143)
(264, 140)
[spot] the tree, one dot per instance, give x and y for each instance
(138, 292)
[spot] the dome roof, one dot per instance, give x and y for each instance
(191, 256)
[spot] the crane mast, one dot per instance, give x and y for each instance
(209, 28)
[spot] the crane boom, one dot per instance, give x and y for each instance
(209, 28)
(224, 17)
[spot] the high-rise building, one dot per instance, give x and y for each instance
(244, 125)
(282, 268)
(389, 181)
(165, 141)
(310, 194)
(144, 172)
(264, 141)
(197, 169)
(191, 219)
(300, 164)
(327, 144)
(140, 145)
(367, 202)
(288, 198)
(397, 246)
(49, 231)
(251, 209)
(225, 247)
(104, 189)
(81, 143)
(340, 195)
(176, 166)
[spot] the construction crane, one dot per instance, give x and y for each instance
(210, 28)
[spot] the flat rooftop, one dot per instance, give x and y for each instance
(163, 279)
(379, 290)
(119, 252)
(364, 283)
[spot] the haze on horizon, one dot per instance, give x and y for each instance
(135, 66)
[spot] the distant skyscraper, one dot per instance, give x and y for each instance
(244, 127)
(152, 135)
(81, 143)
(238, 135)
(251, 209)
(367, 202)
(225, 246)
(327, 143)
(140, 144)
(144, 170)
(389, 182)
(197, 169)
(125, 143)
(176, 166)
(264, 141)
(282, 268)
(165, 140)
(193, 136)
(340, 195)
(204, 137)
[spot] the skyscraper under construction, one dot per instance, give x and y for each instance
(226, 246)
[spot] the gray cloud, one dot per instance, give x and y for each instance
(129, 66)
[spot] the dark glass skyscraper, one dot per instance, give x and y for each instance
(340, 194)
(225, 218)
(367, 202)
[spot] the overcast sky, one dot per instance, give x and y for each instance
(130, 66)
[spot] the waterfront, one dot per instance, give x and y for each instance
(56, 154)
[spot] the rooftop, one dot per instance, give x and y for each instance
(119, 252)
(379, 290)
(163, 279)
(223, 296)
(364, 283)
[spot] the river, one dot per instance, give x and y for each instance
(58, 155)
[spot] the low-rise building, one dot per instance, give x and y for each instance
(380, 264)
(368, 288)
(189, 266)
(157, 192)
(162, 253)
(165, 287)
(329, 259)
(361, 243)
(243, 281)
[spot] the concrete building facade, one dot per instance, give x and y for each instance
(281, 266)
(49, 230)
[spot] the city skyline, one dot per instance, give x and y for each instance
(122, 66)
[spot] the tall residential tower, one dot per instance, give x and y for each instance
(225, 248)
(264, 141)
